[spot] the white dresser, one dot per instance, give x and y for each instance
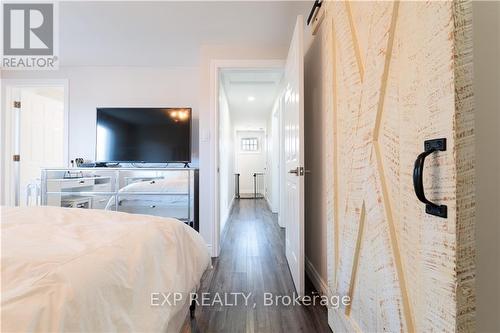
(167, 192)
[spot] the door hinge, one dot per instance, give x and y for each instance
(16, 158)
(17, 104)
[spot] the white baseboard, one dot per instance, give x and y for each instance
(228, 215)
(223, 231)
(271, 206)
(318, 283)
(268, 204)
(280, 220)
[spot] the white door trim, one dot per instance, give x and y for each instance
(7, 165)
(215, 67)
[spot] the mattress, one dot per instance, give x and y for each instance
(88, 270)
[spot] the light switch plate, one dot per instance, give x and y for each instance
(205, 135)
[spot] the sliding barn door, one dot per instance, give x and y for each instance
(401, 75)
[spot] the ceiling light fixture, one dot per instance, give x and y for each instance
(251, 98)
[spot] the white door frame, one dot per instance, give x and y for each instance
(215, 67)
(7, 126)
(281, 168)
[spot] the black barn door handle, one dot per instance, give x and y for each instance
(430, 146)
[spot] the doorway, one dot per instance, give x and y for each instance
(36, 136)
(291, 135)
(248, 100)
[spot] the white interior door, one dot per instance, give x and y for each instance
(41, 135)
(293, 131)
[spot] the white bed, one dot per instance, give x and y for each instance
(94, 271)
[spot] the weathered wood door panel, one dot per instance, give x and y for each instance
(401, 75)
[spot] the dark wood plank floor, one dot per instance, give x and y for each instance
(252, 259)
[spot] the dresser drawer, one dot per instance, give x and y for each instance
(77, 183)
(58, 185)
(176, 206)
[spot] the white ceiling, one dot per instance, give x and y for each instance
(261, 85)
(168, 33)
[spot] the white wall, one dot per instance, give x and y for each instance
(317, 125)
(226, 159)
(486, 40)
(91, 87)
(269, 162)
(273, 158)
(247, 163)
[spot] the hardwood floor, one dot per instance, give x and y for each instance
(252, 260)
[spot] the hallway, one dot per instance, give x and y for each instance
(252, 260)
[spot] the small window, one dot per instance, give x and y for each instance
(249, 144)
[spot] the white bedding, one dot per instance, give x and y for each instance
(87, 270)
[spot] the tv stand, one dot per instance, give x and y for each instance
(129, 190)
(186, 165)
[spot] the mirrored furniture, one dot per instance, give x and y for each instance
(165, 192)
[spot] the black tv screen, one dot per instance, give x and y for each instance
(150, 135)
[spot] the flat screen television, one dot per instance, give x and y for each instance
(143, 135)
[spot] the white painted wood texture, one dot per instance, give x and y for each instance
(399, 73)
